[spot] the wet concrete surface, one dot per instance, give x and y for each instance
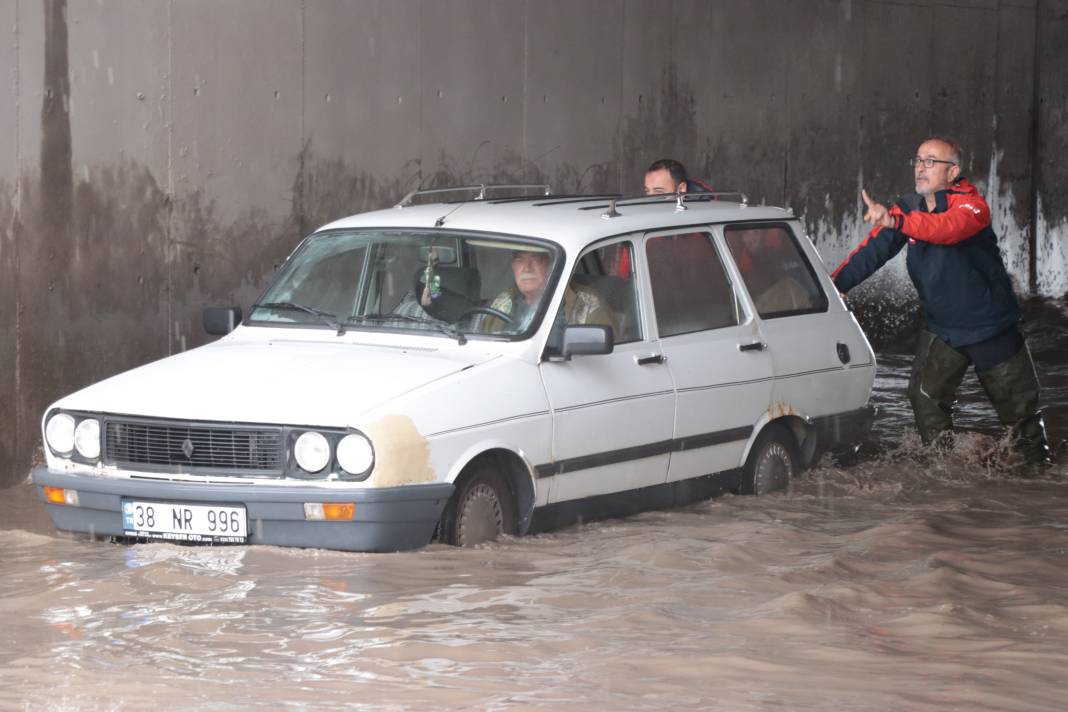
(913, 580)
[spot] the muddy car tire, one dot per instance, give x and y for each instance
(480, 510)
(772, 463)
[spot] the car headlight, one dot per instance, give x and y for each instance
(59, 432)
(312, 451)
(87, 438)
(355, 454)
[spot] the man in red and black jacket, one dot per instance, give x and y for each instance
(968, 302)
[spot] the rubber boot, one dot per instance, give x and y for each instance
(1013, 389)
(937, 371)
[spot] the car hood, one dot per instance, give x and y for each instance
(297, 383)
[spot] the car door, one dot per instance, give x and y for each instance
(613, 414)
(720, 369)
(819, 358)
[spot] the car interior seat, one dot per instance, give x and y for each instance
(618, 295)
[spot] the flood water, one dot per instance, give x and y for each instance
(910, 581)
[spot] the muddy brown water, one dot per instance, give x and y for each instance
(913, 580)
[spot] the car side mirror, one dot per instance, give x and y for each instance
(587, 340)
(220, 321)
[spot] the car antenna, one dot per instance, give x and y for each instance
(441, 221)
(481, 194)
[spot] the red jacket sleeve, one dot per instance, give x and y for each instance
(965, 217)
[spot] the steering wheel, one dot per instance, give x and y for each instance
(486, 310)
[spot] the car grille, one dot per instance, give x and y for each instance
(188, 447)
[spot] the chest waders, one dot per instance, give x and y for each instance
(1013, 389)
(1012, 386)
(937, 371)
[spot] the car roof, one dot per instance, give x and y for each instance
(571, 220)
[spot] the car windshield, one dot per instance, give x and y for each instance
(442, 283)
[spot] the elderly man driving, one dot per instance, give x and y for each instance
(531, 268)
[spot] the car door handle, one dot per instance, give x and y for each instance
(646, 360)
(755, 346)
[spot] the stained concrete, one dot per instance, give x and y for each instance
(162, 155)
(577, 75)
(1051, 127)
(1010, 181)
(458, 42)
(236, 86)
(9, 146)
(361, 105)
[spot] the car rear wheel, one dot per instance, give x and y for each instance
(772, 462)
(480, 510)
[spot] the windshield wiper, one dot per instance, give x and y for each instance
(439, 325)
(324, 316)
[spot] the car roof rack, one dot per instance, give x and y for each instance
(480, 187)
(565, 199)
(680, 200)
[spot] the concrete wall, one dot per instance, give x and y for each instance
(159, 155)
(9, 321)
(1051, 147)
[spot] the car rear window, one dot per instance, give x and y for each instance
(776, 274)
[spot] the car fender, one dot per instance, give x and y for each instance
(528, 495)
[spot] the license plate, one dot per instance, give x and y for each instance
(174, 521)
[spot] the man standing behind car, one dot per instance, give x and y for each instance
(667, 176)
(968, 302)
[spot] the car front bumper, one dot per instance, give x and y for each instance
(386, 519)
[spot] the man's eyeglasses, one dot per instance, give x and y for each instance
(927, 162)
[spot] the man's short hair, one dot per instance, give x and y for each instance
(955, 152)
(676, 169)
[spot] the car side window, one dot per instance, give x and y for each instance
(776, 273)
(691, 290)
(602, 291)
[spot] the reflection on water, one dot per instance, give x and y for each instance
(912, 581)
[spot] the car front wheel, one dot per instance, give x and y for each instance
(480, 510)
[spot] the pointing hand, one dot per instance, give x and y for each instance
(877, 214)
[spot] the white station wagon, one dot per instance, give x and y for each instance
(475, 368)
